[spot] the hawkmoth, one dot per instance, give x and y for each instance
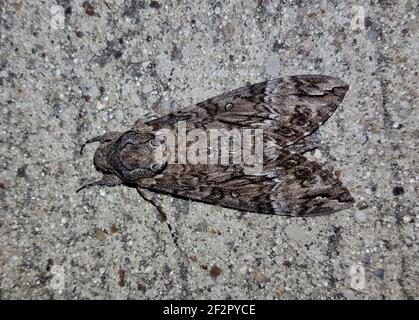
(286, 110)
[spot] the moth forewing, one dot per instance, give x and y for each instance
(241, 150)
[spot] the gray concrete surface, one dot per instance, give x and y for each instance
(100, 68)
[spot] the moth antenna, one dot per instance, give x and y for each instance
(91, 184)
(107, 136)
(108, 180)
(95, 139)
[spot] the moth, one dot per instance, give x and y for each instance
(287, 111)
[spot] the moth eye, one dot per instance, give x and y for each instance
(158, 167)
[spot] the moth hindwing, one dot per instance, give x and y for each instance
(242, 149)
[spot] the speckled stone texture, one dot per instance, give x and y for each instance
(71, 70)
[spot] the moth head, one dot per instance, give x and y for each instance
(131, 155)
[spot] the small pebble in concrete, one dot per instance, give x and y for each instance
(155, 5)
(288, 296)
(99, 105)
(366, 259)
(379, 273)
(286, 264)
(89, 9)
(361, 216)
(215, 271)
(318, 154)
(407, 219)
(348, 294)
(259, 277)
(100, 234)
(397, 191)
(357, 278)
(122, 277)
(307, 46)
(279, 292)
(273, 66)
(358, 19)
(113, 229)
(295, 233)
(141, 287)
(362, 205)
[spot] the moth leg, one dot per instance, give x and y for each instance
(108, 180)
(308, 143)
(149, 197)
(107, 136)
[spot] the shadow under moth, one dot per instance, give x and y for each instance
(287, 111)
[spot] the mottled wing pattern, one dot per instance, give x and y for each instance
(292, 185)
(288, 109)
